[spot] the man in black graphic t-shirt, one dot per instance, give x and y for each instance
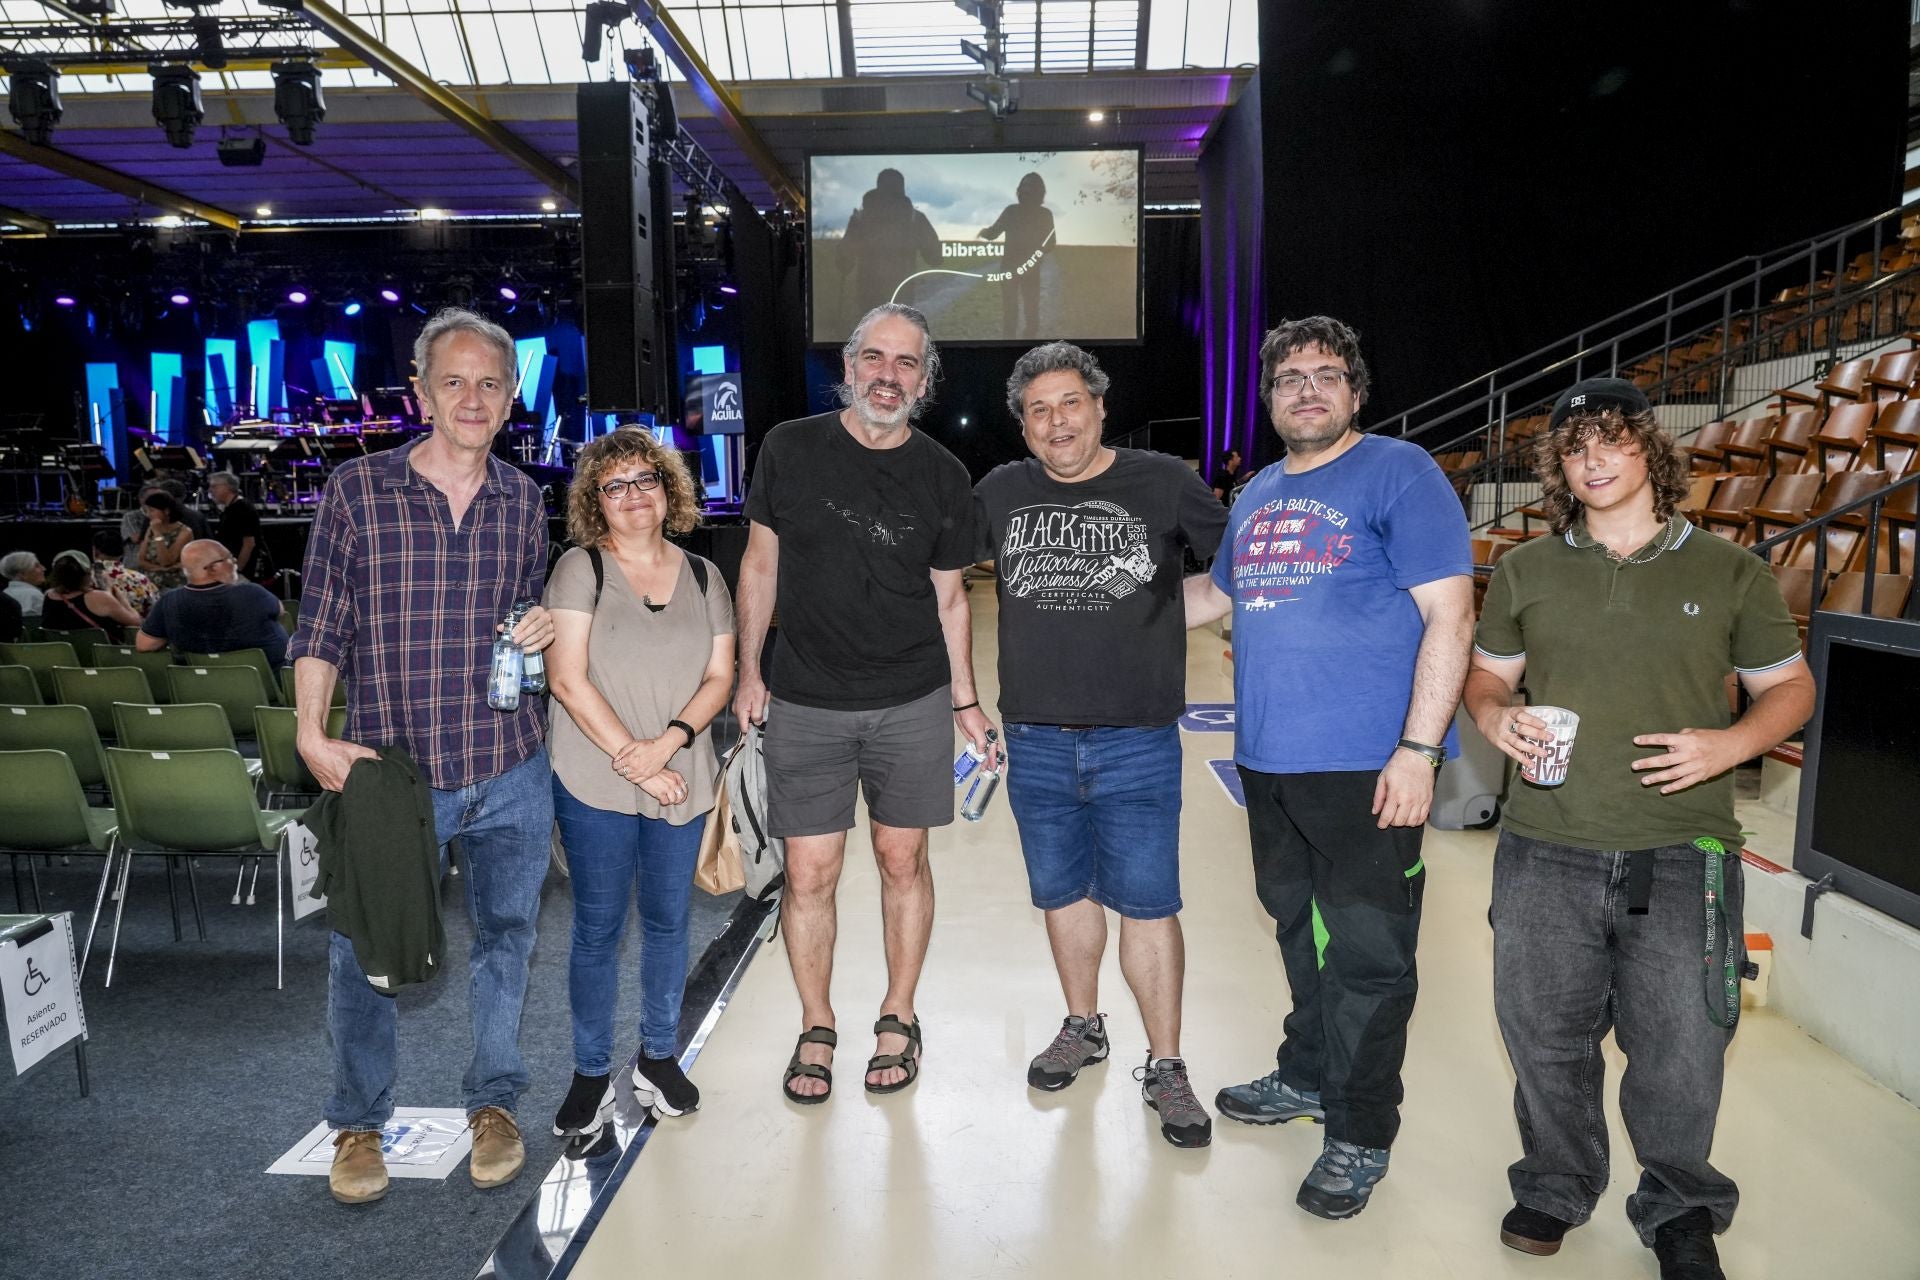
(860, 529)
(1088, 544)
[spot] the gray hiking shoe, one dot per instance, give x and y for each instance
(1341, 1179)
(1183, 1121)
(1269, 1100)
(1081, 1042)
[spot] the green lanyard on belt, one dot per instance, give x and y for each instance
(1722, 949)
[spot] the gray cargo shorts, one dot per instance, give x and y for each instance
(901, 757)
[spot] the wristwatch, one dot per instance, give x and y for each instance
(1436, 756)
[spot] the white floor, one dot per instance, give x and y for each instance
(970, 1173)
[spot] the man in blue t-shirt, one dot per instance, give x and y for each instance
(1348, 570)
(215, 612)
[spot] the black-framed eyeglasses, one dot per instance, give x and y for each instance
(1292, 384)
(645, 482)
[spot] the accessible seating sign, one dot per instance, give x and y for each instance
(40, 986)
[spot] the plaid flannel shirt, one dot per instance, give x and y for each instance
(405, 605)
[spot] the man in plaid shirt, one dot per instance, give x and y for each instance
(416, 556)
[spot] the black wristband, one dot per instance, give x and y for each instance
(1436, 756)
(970, 706)
(683, 727)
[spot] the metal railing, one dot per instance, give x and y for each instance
(1806, 303)
(1874, 506)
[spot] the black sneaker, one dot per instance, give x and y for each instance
(1534, 1232)
(659, 1083)
(1685, 1249)
(1081, 1042)
(584, 1113)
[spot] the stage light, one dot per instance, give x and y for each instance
(264, 211)
(601, 16)
(297, 296)
(390, 295)
(242, 153)
(1096, 117)
(33, 98)
(176, 102)
(508, 292)
(297, 99)
(63, 300)
(548, 205)
(432, 215)
(729, 290)
(206, 39)
(353, 308)
(179, 299)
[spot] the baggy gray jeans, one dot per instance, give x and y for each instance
(1571, 963)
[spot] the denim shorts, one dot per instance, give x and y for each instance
(1099, 815)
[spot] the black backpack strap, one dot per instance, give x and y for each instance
(599, 574)
(699, 568)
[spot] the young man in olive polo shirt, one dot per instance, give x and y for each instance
(1611, 887)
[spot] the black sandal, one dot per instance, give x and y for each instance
(908, 1061)
(812, 1070)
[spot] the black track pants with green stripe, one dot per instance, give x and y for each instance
(1345, 899)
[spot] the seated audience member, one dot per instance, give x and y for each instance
(195, 519)
(215, 613)
(24, 574)
(75, 603)
(133, 588)
(166, 536)
(634, 773)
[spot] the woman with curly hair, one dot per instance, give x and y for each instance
(1632, 620)
(641, 662)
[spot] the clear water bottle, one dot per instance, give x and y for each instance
(965, 763)
(985, 783)
(533, 667)
(509, 668)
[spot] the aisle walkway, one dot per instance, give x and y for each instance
(969, 1173)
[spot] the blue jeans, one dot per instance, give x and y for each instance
(609, 855)
(1099, 815)
(504, 825)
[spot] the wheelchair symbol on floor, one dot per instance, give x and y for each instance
(36, 981)
(1208, 717)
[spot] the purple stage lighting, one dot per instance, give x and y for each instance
(63, 300)
(389, 295)
(179, 299)
(728, 289)
(297, 296)
(507, 291)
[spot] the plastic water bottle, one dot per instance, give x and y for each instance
(533, 667)
(985, 783)
(509, 669)
(965, 763)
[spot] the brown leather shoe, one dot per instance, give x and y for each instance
(359, 1173)
(497, 1149)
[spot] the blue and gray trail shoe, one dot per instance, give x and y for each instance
(1081, 1042)
(1269, 1100)
(1341, 1179)
(1164, 1085)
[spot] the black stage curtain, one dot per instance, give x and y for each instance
(1465, 183)
(1231, 201)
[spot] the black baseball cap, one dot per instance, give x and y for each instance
(1598, 393)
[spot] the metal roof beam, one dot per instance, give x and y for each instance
(716, 98)
(72, 166)
(370, 50)
(25, 221)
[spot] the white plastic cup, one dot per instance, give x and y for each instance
(1551, 770)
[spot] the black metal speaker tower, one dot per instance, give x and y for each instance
(626, 246)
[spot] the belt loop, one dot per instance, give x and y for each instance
(1639, 881)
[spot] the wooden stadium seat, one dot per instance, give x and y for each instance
(1699, 496)
(1746, 448)
(1892, 375)
(1792, 439)
(1842, 436)
(1848, 594)
(1846, 380)
(1731, 502)
(1896, 436)
(1707, 448)
(1785, 503)
(1796, 588)
(1844, 536)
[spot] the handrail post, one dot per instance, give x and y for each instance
(1500, 465)
(1873, 547)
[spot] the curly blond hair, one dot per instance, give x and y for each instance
(587, 523)
(1665, 467)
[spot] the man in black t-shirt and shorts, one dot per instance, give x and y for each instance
(1088, 544)
(860, 529)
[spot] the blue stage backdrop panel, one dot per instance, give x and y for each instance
(103, 409)
(269, 392)
(223, 372)
(169, 395)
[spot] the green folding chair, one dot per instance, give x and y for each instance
(235, 689)
(282, 771)
(186, 726)
(98, 688)
(288, 698)
(290, 615)
(174, 804)
(43, 810)
(154, 662)
(18, 687)
(68, 730)
(43, 656)
(255, 658)
(84, 642)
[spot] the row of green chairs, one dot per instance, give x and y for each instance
(46, 656)
(171, 804)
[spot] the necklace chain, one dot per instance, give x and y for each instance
(1663, 542)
